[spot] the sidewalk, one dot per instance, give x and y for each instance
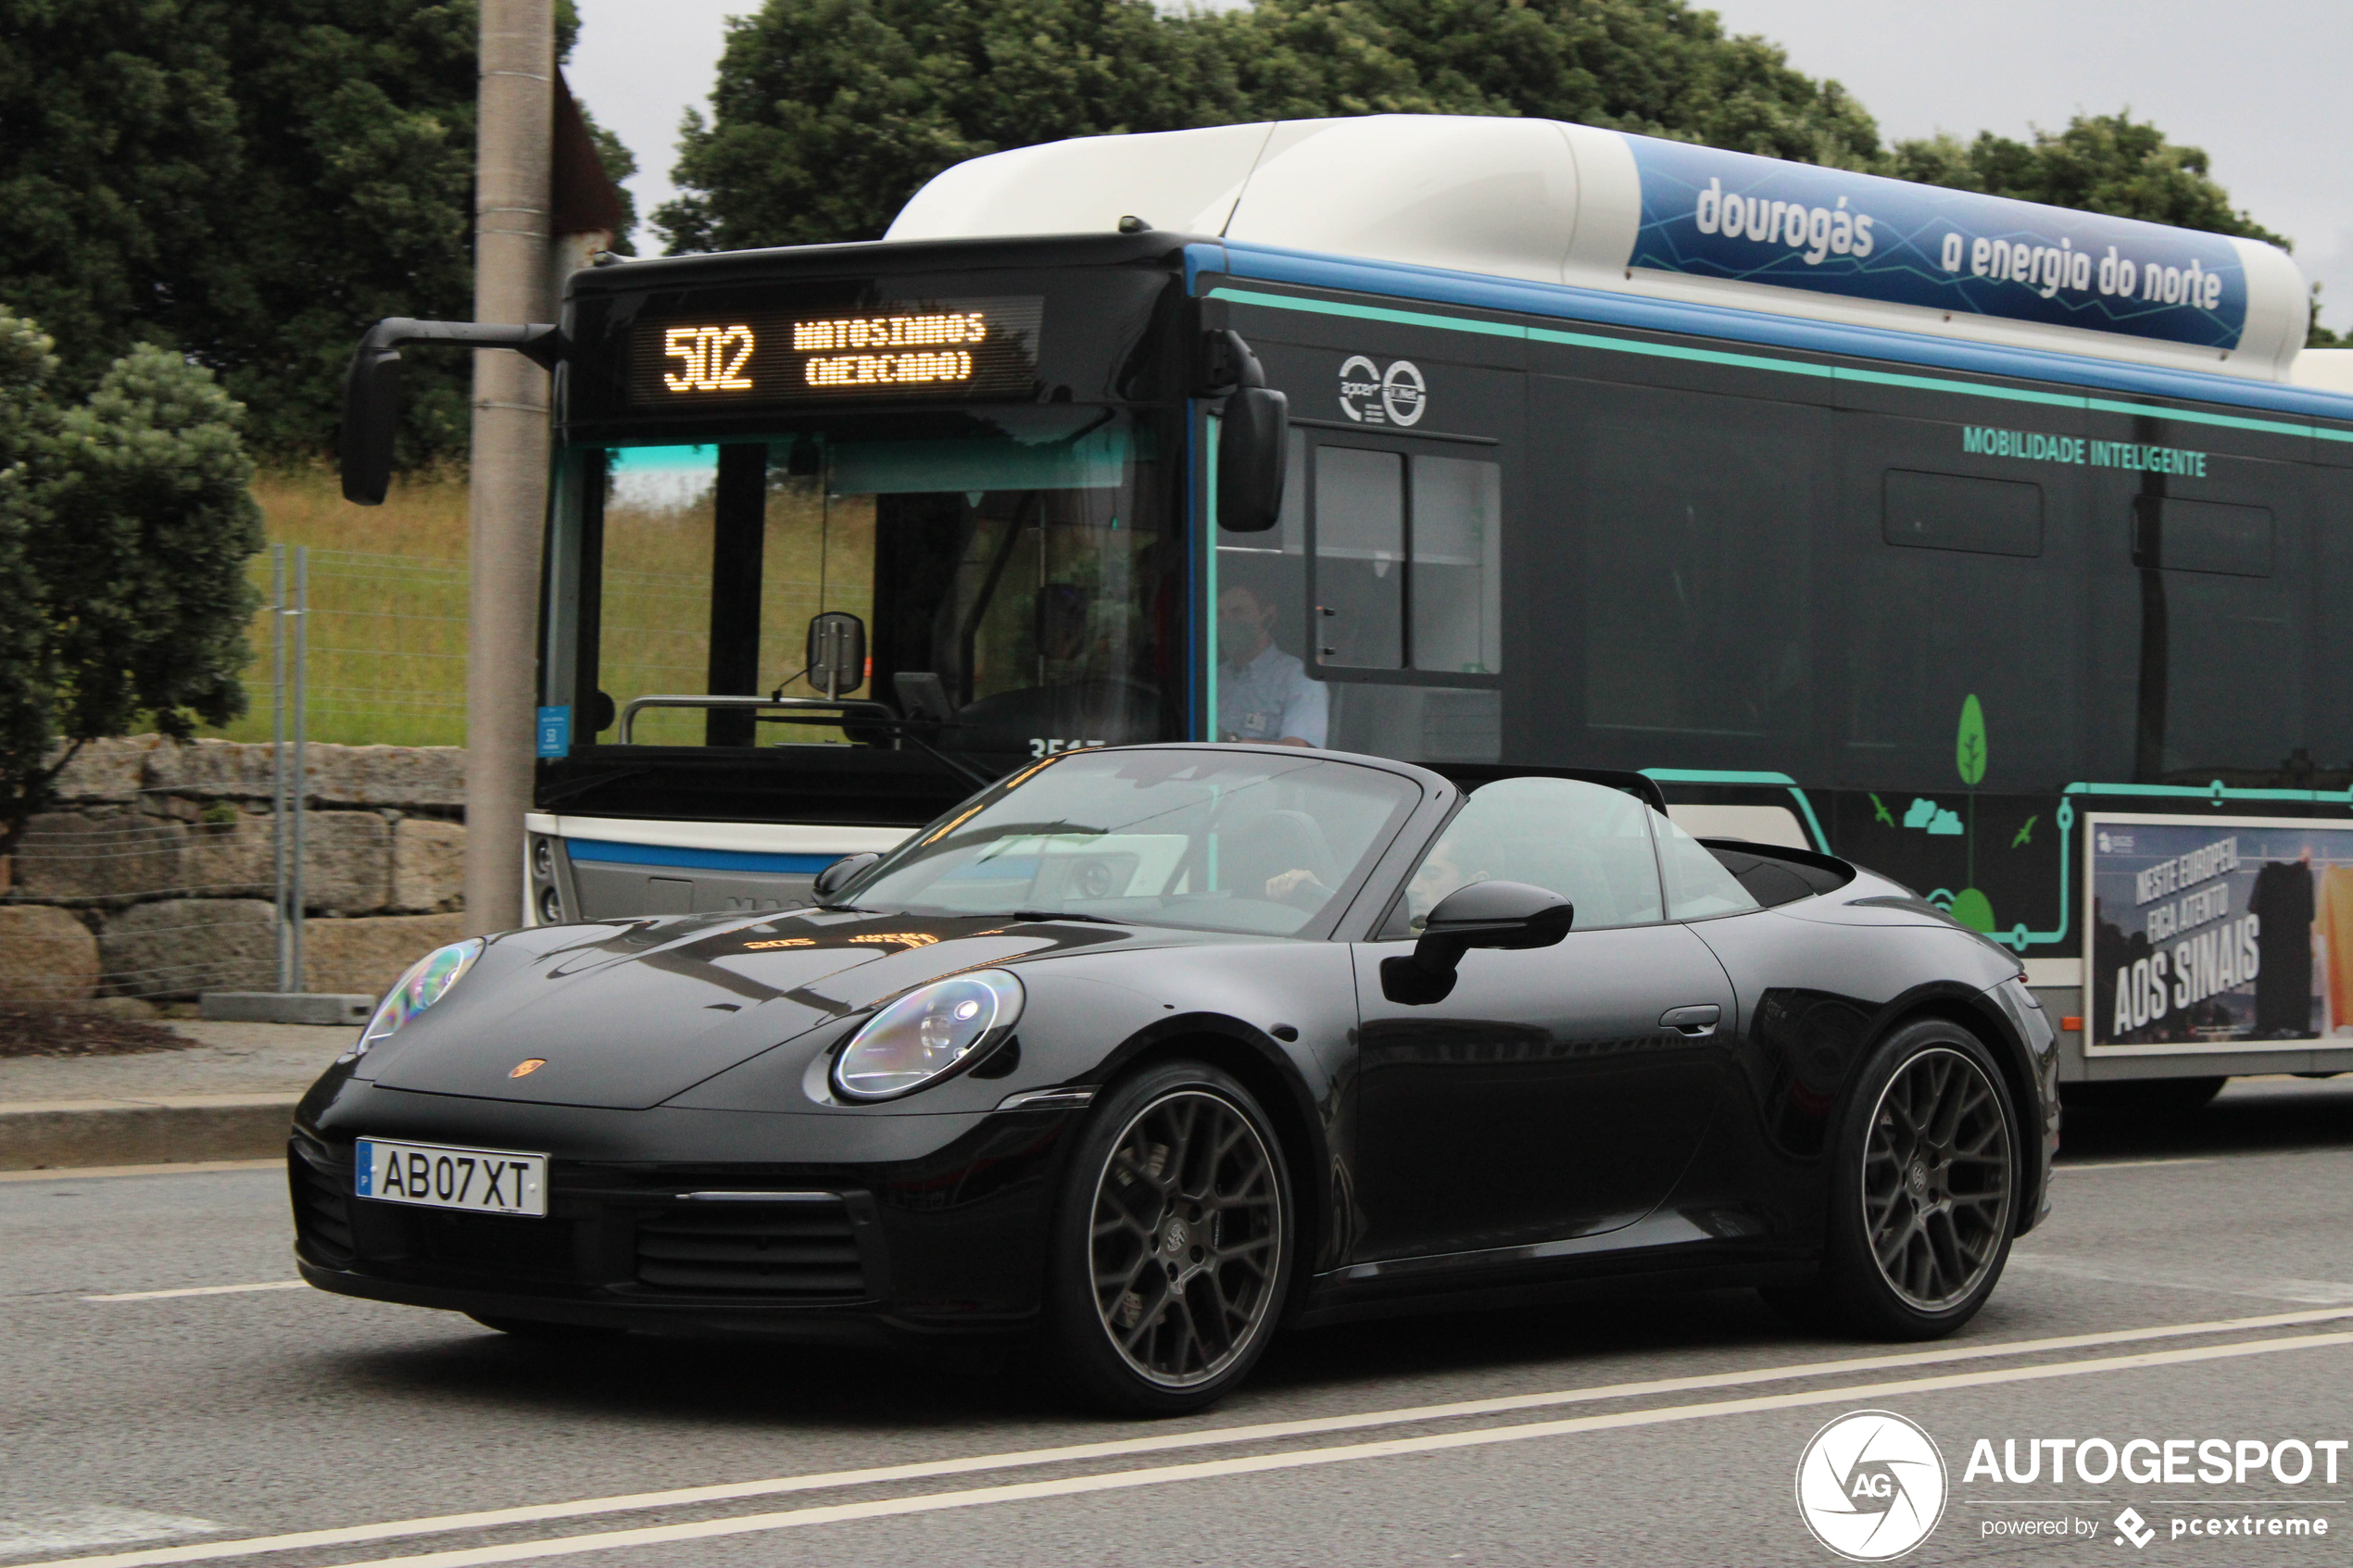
(229, 1098)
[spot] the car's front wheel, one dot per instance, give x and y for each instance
(1923, 1194)
(1173, 1245)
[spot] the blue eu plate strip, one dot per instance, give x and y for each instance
(590, 851)
(364, 1152)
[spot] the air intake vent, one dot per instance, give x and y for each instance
(804, 1251)
(323, 1214)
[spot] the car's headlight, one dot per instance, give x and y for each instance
(427, 981)
(928, 1033)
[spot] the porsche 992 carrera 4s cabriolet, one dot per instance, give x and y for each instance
(1143, 1053)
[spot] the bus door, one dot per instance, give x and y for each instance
(1370, 618)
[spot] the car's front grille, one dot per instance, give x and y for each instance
(323, 1214)
(805, 1250)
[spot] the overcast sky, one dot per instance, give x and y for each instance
(2260, 84)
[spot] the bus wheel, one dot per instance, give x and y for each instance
(1924, 1191)
(1171, 1251)
(2139, 1097)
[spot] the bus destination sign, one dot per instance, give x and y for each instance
(947, 348)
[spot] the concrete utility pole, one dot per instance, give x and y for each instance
(510, 493)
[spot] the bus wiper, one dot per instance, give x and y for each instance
(975, 774)
(1064, 915)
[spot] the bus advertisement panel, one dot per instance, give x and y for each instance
(2219, 933)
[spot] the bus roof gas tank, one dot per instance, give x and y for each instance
(1549, 202)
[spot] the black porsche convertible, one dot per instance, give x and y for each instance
(1143, 1053)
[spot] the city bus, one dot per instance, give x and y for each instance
(1999, 548)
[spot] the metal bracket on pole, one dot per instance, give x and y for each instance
(281, 952)
(301, 773)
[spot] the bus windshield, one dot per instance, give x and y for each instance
(1005, 567)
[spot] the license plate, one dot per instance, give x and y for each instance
(481, 1181)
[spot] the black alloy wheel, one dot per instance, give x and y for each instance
(1936, 1180)
(1923, 1194)
(1176, 1246)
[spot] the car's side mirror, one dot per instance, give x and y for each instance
(835, 877)
(1509, 915)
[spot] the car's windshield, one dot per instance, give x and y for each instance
(1239, 841)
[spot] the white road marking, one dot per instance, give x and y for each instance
(202, 1290)
(2319, 1292)
(93, 1526)
(185, 1168)
(2128, 1164)
(1162, 1442)
(1117, 1480)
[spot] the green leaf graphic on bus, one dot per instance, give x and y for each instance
(1968, 746)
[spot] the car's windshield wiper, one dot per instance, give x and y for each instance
(1064, 915)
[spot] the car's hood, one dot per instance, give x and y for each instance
(629, 1013)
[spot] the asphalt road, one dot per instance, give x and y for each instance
(208, 1427)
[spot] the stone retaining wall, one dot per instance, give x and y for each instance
(153, 875)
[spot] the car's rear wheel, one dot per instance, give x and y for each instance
(1923, 1193)
(1173, 1245)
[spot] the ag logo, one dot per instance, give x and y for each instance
(1371, 395)
(1870, 1485)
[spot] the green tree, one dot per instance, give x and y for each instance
(1657, 68)
(126, 521)
(251, 183)
(829, 114)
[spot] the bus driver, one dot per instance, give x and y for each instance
(1262, 693)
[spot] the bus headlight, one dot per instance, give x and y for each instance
(928, 1035)
(427, 981)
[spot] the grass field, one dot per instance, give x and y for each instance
(387, 610)
(387, 622)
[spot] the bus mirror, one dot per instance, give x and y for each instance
(370, 419)
(372, 389)
(1250, 460)
(837, 652)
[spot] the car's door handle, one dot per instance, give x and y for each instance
(1696, 1021)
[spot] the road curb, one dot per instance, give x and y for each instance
(174, 1129)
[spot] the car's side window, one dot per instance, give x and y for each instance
(1584, 841)
(1697, 884)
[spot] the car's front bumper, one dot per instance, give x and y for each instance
(944, 1240)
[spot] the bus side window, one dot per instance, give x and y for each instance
(1457, 568)
(1408, 569)
(1360, 558)
(1963, 596)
